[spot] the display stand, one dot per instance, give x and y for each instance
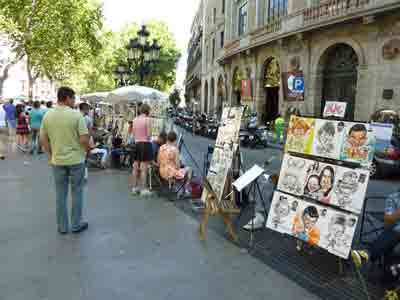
(212, 208)
(224, 208)
(250, 180)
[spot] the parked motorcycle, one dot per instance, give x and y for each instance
(254, 136)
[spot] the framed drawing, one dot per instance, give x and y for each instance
(358, 143)
(300, 135)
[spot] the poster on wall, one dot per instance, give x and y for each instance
(226, 147)
(330, 184)
(317, 225)
(293, 86)
(246, 90)
(335, 109)
(300, 135)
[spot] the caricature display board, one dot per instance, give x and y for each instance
(346, 141)
(327, 183)
(226, 146)
(323, 182)
(315, 224)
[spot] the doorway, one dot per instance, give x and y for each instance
(340, 77)
(272, 84)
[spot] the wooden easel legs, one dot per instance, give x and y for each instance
(228, 223)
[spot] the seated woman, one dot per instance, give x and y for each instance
(168, 160)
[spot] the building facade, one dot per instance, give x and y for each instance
(347, 50)
(213, 75)
(193, 89)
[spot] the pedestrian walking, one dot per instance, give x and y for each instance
(35, 122)
(143, 151)
(22, 127)
(11, 120)
(65, 138)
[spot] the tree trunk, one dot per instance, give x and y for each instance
(4, 76)
(31, 79)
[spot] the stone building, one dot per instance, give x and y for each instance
(213, 75)
(194, 63)
(347, 50)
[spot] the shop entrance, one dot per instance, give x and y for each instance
(340, 77)
(237, 86)
(272, 83)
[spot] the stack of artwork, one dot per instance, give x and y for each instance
(226, 147)
(323, 182)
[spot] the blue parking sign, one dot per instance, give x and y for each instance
(298, 84)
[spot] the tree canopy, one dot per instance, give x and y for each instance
(65, 41)
(96, 74)
(53, 35)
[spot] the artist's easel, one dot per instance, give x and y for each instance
(254, 189)
(213, 208)
(225, 208)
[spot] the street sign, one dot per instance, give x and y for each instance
(293, 86)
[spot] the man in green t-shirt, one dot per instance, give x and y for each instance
(65, 138)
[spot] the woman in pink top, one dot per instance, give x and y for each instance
(141, 130)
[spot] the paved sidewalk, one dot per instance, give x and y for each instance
(134, 249)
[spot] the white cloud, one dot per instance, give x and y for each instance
(178, 14)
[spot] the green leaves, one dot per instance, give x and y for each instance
(65, 41)
(54, 34)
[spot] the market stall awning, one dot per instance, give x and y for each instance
(135, 94)
(95, 97)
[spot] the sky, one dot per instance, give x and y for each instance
(178, 14)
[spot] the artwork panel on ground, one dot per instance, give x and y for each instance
(226, 146)
(327, 183)
(318, 225)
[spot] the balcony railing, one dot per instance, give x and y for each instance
(331, 9)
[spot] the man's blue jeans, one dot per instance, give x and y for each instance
(63, 175)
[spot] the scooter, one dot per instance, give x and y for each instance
(254, 136)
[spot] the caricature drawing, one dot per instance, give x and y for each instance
(356, 145)
(346, 187)
(326, 139)
(304, 226)
(312, 187)
(291, 183)
(297, 134)
(326, 182)
(336, 238)
(281, 210)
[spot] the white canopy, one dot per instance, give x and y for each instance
(134, 94)
(95, 97)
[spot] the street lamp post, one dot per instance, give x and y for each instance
(142, 54)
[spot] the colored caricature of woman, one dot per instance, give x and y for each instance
(326, 181)
(297, 134)
(312, 187)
